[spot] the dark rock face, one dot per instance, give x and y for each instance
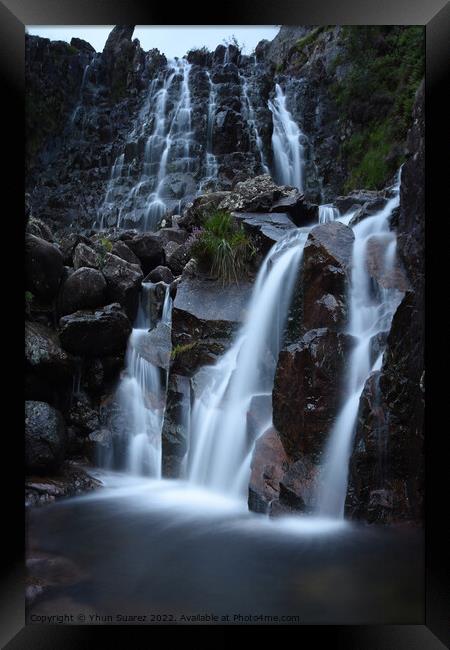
(265, 229)
(326, 271)
(95, 333)
(306, 395)
(44, 267)
(44, 438)
(175, 428)
(160, 274)
(82, 415)
(122, 250)
(257, 194)
(394, 278)
(83, 289)
(44, 354)
(85, 256)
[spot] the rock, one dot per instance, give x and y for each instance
(83, 289)
(45, 438)
(268, 465)
(40, 229)
(73, 481)
(149, 249)
(259, 415)
(265, 229)
(68, 244)
(160, 274)
(388, 278)
(368, 209)
(177, 255)
(44, 267)
(257, 194)
(85, 256)
(82, 415)
(123, 283)
(122, 250)
(81, 45)
(326, 274)
(306, 396)
(155, 345)
(44, 354)
(366, 201)
(300, 211)
(95, 333)
(204, 317)
(298, 487)
(176, 235)
(175, 431)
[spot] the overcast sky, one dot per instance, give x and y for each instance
(171, 41)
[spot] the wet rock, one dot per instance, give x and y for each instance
(387, 277)
(176, 235)
(82, 415)
(177, 256)
(160, 274)
(175, 431)
(45, 438)
(266, 229)
(204, 317)
(95, 333)
(363, 202)
(326, 270)
(44, 267)
(40, 229)
(83, 289)
(306, 395)
(300, 211)
(123, 283)
(268, 465)
(68, 243)
(259, 415)
(149, 249)
(298, 487)
(72, 480)
(155, 345)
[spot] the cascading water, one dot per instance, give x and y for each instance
(328, 213)
(141, 394)
(211, 166)
(220, 448)
(250, 117)
(371, 312)
(288, 151)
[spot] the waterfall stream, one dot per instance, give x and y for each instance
(371, 312)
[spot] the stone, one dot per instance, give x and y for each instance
(123, 282)
(175, 431)
(264, 228)
(268, 465)
(96, 333)
(85, 256)
(83, 289)
(122, 250)
(44, 354)
(300, 211)
(149, 249)
(45, 438)
(43, 266)
(160, 274)
(306, 395)
(255, 195)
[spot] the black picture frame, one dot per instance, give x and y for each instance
(14, 15)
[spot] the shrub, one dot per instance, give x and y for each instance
(223, 247)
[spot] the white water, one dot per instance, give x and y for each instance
(288, 152)
(141, 395)
(371, 313)
(328, 213)
(220, 451)
(249, 115)
(211, 165)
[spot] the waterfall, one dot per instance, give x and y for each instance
(166, 113)
(220, 451)
(211, 166)
(288, 152)
(371, 312)
(140, 394)
(328, 213)
(250, 117)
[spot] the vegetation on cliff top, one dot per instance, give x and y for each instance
(377, 97)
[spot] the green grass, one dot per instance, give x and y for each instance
(179, 349)
(223, 247)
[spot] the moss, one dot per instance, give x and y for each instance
(179, 349)
(309, 38)
(377, 97)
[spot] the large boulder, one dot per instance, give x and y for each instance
(386, 276)
(82, 415)
(148, 248)
(204, 317)
(85, 256)
(297, 489)
(122, 250)
(160, 274)
(44, 266)
(45, 438)
(123, 283)
(300, 211)
(306, 394)
(326, 275)
(83, 289)
(265, 229)
(96, 333)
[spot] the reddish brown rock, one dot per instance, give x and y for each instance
(268, 465)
